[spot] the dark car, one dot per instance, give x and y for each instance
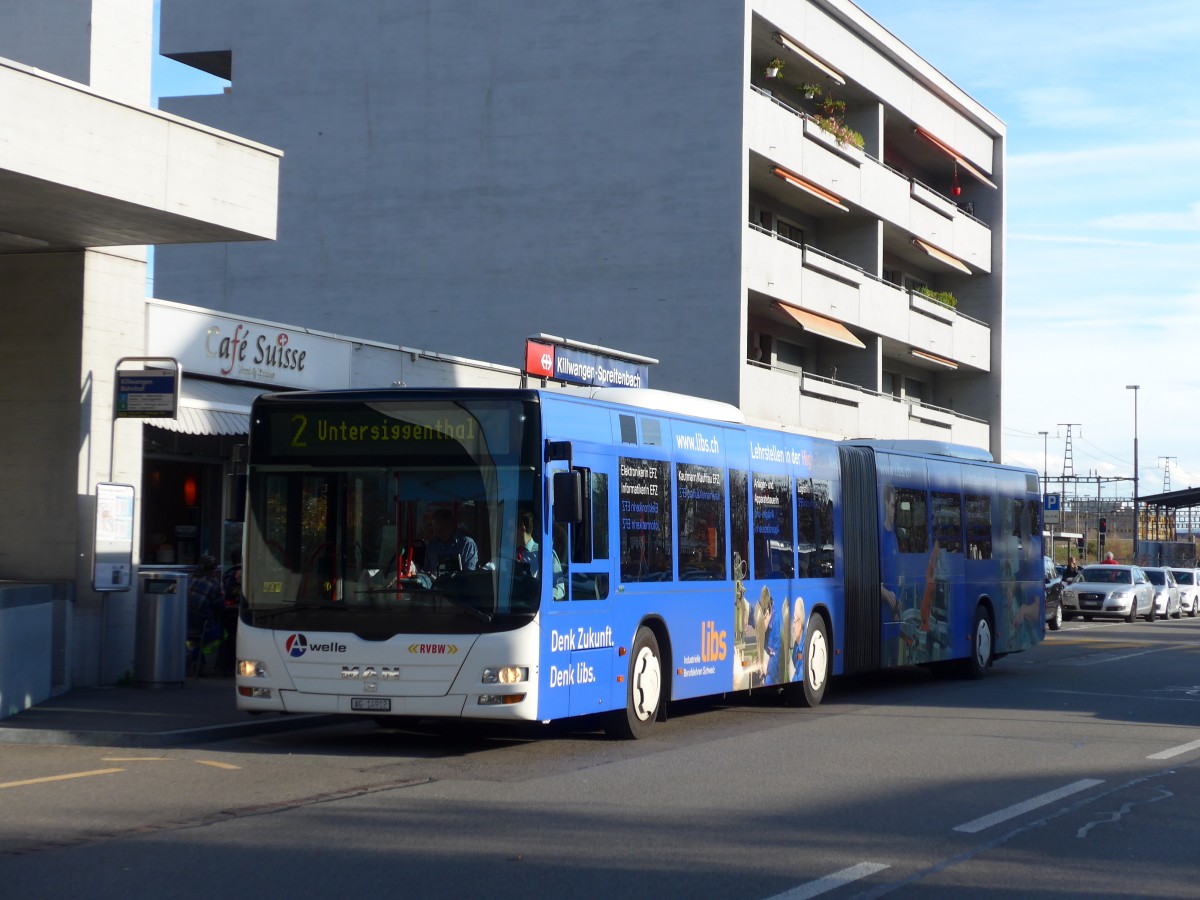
(1054, 594)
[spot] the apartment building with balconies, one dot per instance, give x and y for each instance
(461, 176)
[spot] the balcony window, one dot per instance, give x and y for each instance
(789, 356)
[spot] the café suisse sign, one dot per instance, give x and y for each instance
(221, 346)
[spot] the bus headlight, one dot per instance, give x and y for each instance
(505, 675)
(251, 668)
(500, 699)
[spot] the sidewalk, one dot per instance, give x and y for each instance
(201, 711)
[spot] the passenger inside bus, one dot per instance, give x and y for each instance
(528, 556)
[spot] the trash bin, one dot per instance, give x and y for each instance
(160, 657)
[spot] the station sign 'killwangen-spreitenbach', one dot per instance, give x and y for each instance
(573, 362)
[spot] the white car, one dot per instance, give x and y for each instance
(1110, 590)
(1188, 581)
(1166, 592)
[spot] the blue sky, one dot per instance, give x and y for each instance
(1101, 100)
(1101, 103)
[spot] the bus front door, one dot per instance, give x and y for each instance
(579, 642)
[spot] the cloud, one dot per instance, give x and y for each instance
(1165, 220)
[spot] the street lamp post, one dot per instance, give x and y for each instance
(1134, 388)
(1045, 456)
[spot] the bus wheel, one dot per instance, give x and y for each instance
(814, 668)
(976, 665)
(643, 692)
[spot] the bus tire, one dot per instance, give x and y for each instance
(643, 690)
(976, 664)
(814, 666)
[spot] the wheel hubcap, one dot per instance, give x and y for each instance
(818, 656)
(647, 684)
(983, 643)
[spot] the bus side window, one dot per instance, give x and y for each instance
(814, 528)
(947, 521)
(594, 585)
(739, 523)
(774, 535)
(644, 514)
(909, 517)
(701, 504)
(979, 526)
(599, 491)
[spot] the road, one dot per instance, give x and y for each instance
(1071, 771)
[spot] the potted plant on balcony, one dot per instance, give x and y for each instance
(774, 67)
(809, 90)
(946, 298)
(840, 131)
(833, 108)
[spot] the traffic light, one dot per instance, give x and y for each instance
(1104, 525)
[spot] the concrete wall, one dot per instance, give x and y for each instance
(578, 172)
(75, 314)
(103, 44)
(40, 389)
(26, 639)
(60, 43)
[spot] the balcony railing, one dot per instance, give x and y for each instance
(915, 185)
(916, 301)
(848, 393)
(811, 122)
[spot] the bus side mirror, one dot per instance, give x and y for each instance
(572, 506)
(235, 498)
(568, 497)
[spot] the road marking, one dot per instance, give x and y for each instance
(1175, 751)
(217, 765)
(1019, 809)
(136, 758)
(830, 882)
(1108, 659)
(12, 784)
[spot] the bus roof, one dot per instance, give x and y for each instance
(926, 448)
(669, 402)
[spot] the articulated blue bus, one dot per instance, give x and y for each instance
(534, 555)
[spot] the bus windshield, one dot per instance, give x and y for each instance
(391, 517)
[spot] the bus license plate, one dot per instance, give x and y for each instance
(371, 704)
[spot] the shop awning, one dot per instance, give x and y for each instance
(211, 407)
(956, 156)
(828, 328)
(942, 256)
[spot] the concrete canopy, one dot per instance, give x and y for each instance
(99, 172)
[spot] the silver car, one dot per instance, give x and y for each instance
(1110, 590)
(1166, 592)
(1188, 581)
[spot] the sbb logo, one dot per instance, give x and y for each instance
(539, 359)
